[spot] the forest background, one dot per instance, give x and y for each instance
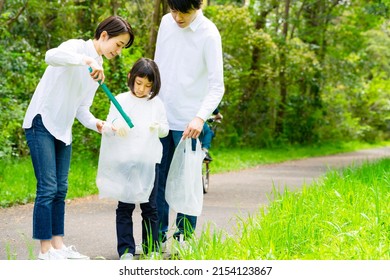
(296, 72)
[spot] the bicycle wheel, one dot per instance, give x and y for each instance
(205, 176)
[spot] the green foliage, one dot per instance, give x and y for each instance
(323, 78)
(373, 109)
(303, 114)
(19, 73)
(249, 108)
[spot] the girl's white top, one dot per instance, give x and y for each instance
(66, 90)
(191, 67)
(142, 112)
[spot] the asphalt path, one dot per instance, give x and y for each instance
(90, 221)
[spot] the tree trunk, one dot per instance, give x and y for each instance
(1, 5)
(153, 30)
(282, 72)
(114, 7)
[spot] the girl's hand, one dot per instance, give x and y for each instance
(194, 128)
(154, 126)
(121, 128)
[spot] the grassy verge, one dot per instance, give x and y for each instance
(345, 217)
(18, 184)
(17, 181)
(235, 159)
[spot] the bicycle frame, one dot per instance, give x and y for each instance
(205, 176)
(206, 163)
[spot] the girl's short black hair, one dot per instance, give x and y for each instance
(114, 26)
(145, 67)
(184, 6)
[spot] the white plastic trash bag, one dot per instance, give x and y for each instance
(184, 189)
(126, 169)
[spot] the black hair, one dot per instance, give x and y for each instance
(145, 67)
(184, 6)
(114, 26)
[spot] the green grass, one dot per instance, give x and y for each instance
(18, 184)
(17, 181)
(344, 217)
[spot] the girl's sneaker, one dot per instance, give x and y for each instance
(71, 253)
(52, 254)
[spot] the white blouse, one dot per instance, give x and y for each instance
(66, 90)
(142, 112)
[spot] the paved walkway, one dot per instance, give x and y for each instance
(90, 222)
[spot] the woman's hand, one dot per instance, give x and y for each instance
(99, 125)
(97, 73)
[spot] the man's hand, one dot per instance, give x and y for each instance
(194, 128)
(218, 117)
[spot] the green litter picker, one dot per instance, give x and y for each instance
(115, 102)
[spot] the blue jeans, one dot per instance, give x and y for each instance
(124, 224)
(51, 161)
(185, 223)
(206, 136)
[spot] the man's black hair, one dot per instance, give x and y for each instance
(184, 6)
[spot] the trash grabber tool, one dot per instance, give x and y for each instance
(115, 102)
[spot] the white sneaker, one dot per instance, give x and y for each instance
(71, 253)
(52, 254)
(127, 257)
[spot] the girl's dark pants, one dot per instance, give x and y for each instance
(124, 224)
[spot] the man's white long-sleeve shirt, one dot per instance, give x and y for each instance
(66, 90)
(191, 66)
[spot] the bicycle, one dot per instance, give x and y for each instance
(212, 123)
(205, 175)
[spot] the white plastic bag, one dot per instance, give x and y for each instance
(126, 169)
(184, 190)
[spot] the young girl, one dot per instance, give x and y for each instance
(65, 92)
(129, 158)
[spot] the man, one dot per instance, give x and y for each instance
(189, 56)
